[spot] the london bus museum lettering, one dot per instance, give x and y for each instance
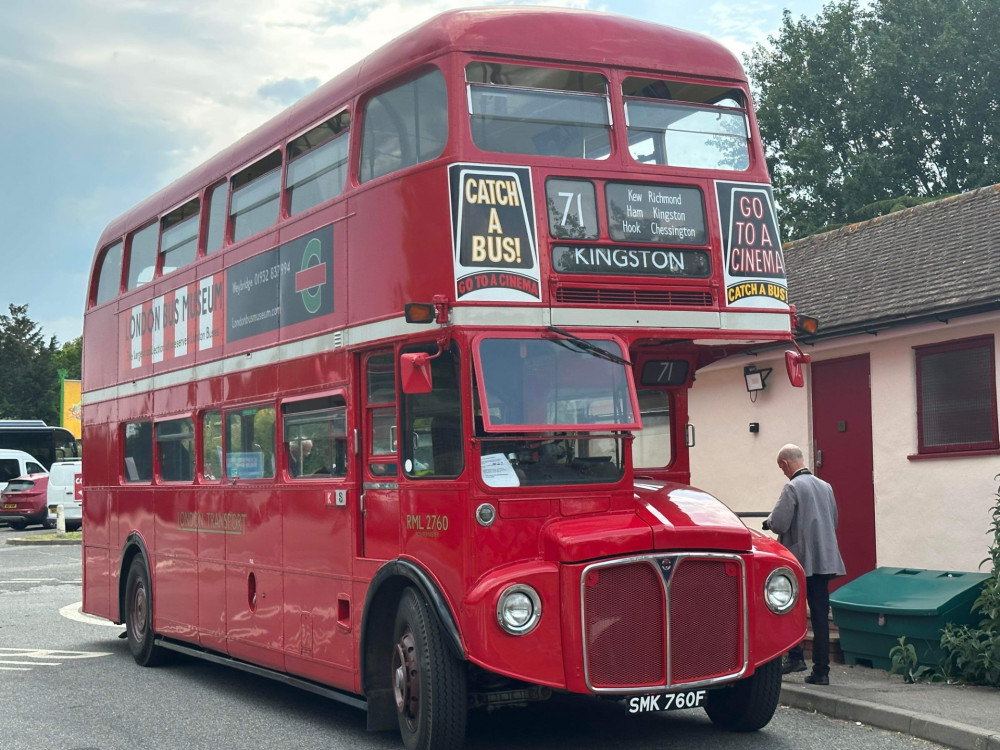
(283, 286)
(180, 322)
(755, 265)
(493, 233)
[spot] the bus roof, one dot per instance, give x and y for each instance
(552, 34)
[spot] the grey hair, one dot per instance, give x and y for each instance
(791, 453)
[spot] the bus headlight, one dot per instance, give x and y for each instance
(781, 590)
(519, 609)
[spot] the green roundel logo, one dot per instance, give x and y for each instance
(310, 280)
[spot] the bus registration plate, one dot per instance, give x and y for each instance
(641, 704)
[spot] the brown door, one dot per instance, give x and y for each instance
(842, 441)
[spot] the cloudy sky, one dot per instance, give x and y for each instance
(103, 102)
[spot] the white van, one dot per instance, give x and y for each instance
(15, 464)
(66, 489)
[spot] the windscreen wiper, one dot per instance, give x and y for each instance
(583, 345)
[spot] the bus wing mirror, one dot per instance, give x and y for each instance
(415, 372)
(793, 364)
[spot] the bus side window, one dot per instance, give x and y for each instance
(175, 449)
(218, 198)
(138, 438)
(250, 443)
(434, 446)
(211, 445)
(315, 437)
(652, 444)
(142, 256)
(317, 168)
(179, 236)
(110, 276)
(381, 415)
(256, 195)
(404, 126)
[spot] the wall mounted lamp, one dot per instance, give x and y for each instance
(756, 380)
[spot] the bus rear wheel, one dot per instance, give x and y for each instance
(139, 615)
(750, 703)
(428, 682)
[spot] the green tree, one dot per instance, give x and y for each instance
(29, 385)
(69, 358)
(888, 102)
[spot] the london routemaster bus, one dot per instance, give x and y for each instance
(392, 392)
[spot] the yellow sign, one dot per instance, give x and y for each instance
(71, 409)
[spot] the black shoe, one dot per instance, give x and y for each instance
(793, 665)
(817, 679)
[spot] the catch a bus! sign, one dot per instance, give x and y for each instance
(755, 265)
(493, 232)
(287, 285)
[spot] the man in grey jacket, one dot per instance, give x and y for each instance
(805, 520)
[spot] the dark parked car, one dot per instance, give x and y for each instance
(25, 501)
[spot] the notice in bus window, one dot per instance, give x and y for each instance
(755, 266)
(287, 285)
(493, 230)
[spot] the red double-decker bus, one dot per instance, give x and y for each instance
(393, 391)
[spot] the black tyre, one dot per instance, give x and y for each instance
(17, 525)
(428, 681)
(749, 704)
(48, 523)
(139, 615)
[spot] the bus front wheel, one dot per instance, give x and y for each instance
(139, 615)
(428, 682)
(750, 703)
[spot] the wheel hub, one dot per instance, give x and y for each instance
(406, 678)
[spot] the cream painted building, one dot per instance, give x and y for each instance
(899, 409)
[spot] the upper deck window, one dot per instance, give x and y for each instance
(404, 126)
(318, 164)
(109, 278)
(179, 236)
(142, 257)
(218, 196)
(515, 109)
(686, 125)
(254, 206)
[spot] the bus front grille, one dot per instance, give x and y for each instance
(621, 297)
(656, 622)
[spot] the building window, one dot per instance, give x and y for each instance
(956, 396)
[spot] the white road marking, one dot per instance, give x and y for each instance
(40, 657)
(75, 612)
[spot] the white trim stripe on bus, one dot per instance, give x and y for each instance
(486, 317)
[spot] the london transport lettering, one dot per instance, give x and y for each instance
(755, 266)
(493, 233)
(284, 286)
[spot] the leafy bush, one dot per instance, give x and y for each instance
(974, 653)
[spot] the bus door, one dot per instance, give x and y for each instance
(380, 524)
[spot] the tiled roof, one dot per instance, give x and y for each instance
(939, 259)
